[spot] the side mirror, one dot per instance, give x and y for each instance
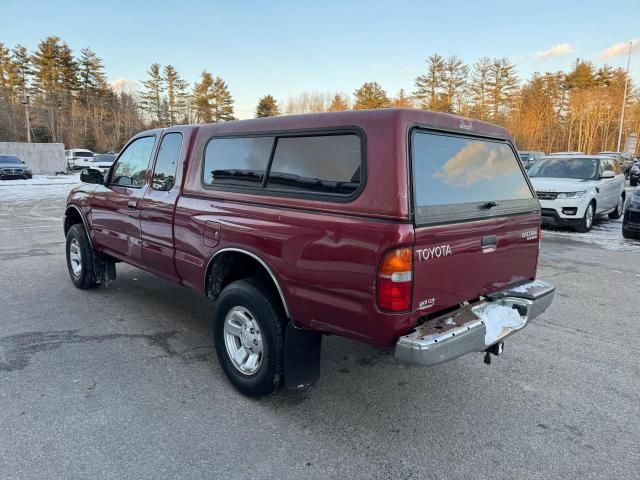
(91, 175)
(608, 174)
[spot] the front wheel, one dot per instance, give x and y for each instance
(633, 182)
(80, 261)
(617, 213)
(587, 220)
(248, 337)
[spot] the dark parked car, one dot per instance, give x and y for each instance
(634, 174)
(631, 221)
(11, 167)
(530, 157)
(624, 159)
(374, 225)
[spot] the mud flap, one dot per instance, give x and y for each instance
(104, 269)
(301, 357)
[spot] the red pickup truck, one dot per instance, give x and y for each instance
(400, 228)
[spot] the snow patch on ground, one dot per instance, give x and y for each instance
(39, 187)
(605, 233)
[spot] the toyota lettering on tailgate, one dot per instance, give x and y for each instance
(434, 252)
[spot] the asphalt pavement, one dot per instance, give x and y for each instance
(121, 382)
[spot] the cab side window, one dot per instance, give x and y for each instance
(164, 173)
(131, 167)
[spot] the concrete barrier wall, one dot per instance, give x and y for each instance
(43, 158)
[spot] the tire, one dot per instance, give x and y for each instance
(247, 321)
(587, 222)
(630, 235)
(617, 213)
(633, 183)
(80, 258)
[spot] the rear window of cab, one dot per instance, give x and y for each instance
(314, 164)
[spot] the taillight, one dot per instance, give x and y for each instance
(395, 279)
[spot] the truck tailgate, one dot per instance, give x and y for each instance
(460, 262)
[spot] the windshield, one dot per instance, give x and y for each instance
(577, 168)
(7, 160)
(524, 157)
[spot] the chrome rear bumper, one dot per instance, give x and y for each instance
(474, 328)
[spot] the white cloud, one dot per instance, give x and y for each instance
(620, 49)
(124, 85)
(556, 51)
(406, 70)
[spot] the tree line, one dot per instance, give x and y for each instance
(577, 110)
(52, 95)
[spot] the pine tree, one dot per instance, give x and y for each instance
(455, 79)
(5, 68)
(583, 75)
(92, 81)
(23, 68)
(338, 103)
(7, 102)
(429, 86)
(267, 107)
(19, 81)
(92, 88)
(176, 94)
(222, 102)
(47, 69)
(202, 98)
(152, 96)
(55, 81)
(605, 75)
(479, 87)
(402, 100)
(370, 95)
(502, 85)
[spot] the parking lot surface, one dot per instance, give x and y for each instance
(121, 381)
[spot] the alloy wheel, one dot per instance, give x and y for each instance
(243, 340)
(75, 257)
(588, 217)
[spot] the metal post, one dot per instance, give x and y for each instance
(28, 118)
(624, 98)
(26, 99)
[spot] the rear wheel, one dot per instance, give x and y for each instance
(617, 213)
(248, 337)
(587, 220)
(80, 258)
(633, 182)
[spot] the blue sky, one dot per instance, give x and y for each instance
(284, 48)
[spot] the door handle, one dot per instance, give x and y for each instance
(489, 243)
(132, 204)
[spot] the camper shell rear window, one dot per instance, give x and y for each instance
(459, 177)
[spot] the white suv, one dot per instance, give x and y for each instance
(574, 189)
(78, 158)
